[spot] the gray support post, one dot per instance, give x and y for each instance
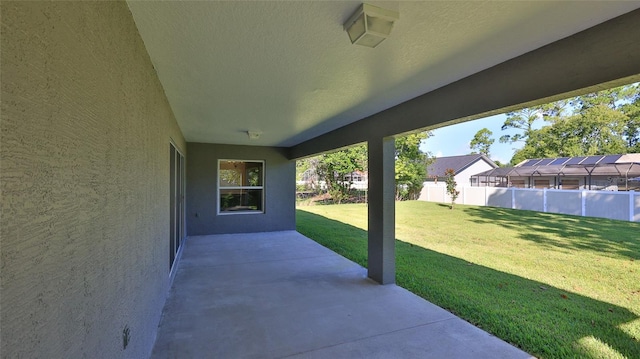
(381, 246)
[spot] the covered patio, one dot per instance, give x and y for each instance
(280, 294)
(121, 121)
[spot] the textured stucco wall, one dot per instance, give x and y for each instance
(85, 131)
(202, 172)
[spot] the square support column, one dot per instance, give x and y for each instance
(381, 245)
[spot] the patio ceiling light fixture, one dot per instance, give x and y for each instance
(254, 135)
(370, 25)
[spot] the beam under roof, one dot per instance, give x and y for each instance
(604, 56)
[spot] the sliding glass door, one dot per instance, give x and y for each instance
(176, 202)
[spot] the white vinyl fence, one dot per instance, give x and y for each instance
(623, 206)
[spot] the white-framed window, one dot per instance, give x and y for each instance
(240, 186)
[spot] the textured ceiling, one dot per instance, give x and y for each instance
(287, 69)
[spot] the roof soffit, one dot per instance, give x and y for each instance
(289, 70)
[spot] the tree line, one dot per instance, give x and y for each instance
(335, 169)
(599, 123)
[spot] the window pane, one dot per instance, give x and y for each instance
(240, 174)
(230, 174)
(232, 200)
(254, 174)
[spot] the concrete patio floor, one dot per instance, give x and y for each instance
(279, 294)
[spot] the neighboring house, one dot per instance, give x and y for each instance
(359, 179)
(310, 180)
(609, 173)
(465, 167)
(357, 176)
(128, 126)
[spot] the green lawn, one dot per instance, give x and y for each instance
(556, 286)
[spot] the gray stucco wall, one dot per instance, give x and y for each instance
(85, 130)
(202, 172)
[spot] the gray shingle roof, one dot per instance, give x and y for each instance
(457, 163)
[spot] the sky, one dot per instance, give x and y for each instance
(454, 140)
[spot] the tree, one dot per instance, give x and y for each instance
(632, 127)
(306, 170)
(536, 146)
(522, 120)
(602, 123)
(451, 186)
(599, 123)
(597, 130)
(612, 98)
(481, 142)
(410, 165)
(302, 166)
(335, 169)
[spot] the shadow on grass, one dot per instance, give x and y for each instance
(603, 236)
(545, 321)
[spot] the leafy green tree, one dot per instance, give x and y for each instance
(632, 127)
(612, 98)
(302, 166)
(335, 167)
(481, 142)
(599, 123)
(522, 120)
(597, 130)
(410, 165)
(451, 185)
(306, 171)
(537, 146)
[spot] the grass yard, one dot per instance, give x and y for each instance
(556, 286)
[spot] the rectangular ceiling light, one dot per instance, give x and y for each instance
(370, 25)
